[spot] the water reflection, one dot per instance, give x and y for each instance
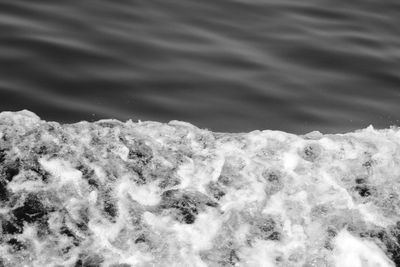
(224, 65)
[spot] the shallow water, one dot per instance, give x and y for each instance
(225, 65)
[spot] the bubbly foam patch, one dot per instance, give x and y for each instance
(150, 194)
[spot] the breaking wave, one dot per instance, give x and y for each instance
(110, 193)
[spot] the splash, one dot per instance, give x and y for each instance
(150, 194)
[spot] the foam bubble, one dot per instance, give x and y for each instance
(150, 194)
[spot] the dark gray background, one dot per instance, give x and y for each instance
(225, 65)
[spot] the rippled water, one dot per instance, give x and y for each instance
(225, 65)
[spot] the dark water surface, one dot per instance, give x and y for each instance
(225, 65)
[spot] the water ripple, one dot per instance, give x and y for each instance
(226, 65)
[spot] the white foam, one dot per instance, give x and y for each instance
(153, 194)
(353, 252)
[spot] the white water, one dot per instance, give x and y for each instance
(265, 198)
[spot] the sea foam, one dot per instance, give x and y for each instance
(109, 193)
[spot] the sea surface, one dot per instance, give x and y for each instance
(225, 65)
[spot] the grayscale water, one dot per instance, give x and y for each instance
(225, 65)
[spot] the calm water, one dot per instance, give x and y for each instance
(225, 65)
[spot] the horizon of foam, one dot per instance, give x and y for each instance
(109, 193)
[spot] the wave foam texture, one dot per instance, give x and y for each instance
(151, 194)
